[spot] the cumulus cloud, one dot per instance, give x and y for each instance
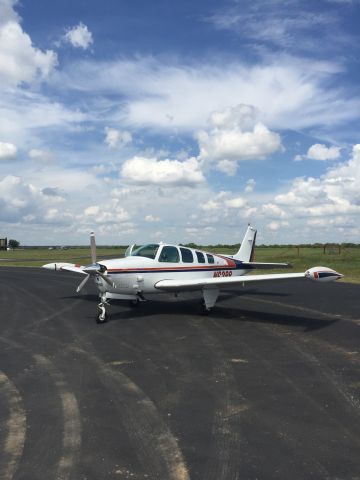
(225, 205)
(115, 213)
(242, 116)
(275, 225)
(142, 171)
(210, 205)
(236, 136)
(235, 145)
(7, 11)
(321, 152)
(43, 156)
(151, 218)
(117, 138)
(273, 211)
(196, 232)
(334, 193)
(21, 201)
(250, 185)
(237, 202)
(8, 151)
(79, 36)
(20, 61)
(54, 193)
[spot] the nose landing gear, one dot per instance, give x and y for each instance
(102, 316)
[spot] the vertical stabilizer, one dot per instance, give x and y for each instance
(246, 250)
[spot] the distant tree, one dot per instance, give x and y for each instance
(13, 244)
(191, 245)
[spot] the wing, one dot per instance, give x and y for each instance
(321, 274)
(69, 267)
(199, 283)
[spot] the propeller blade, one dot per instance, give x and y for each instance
(107, 280)
(93, 247)
(81, 285)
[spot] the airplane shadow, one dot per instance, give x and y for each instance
(254, 291)
(308, 324)
(192, 306)
(189, 308)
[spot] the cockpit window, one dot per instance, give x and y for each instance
(148, 251)
(129, 250)
(200, 257)
(169, 253)
(186, 254)
(210, 258)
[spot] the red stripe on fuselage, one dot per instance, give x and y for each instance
(229, 261)
(182, 268)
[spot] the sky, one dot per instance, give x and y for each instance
(179, 121)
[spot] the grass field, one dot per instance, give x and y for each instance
(347, 262)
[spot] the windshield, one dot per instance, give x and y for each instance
(148, 251)
(129, 250)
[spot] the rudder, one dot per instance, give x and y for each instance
(246, 250)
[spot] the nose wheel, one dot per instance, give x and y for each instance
(102, 316)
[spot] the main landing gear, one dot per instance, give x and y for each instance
(210, 295)
(204, 310)
(135, 302)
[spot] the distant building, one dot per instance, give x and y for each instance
(3, 243)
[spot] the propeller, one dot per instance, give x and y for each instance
(93, 247)
(95, 268)
(82, 284)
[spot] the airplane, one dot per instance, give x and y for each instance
(161, 268)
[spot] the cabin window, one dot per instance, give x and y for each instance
(200, 257)
(186, 255)
(169, 254)
(148, 251)
(210, 258)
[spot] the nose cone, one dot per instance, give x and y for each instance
(93, 269)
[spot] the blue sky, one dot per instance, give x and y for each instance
(179, 121)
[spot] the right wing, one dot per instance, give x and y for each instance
(316, 273)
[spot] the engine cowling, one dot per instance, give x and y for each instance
(323, 274)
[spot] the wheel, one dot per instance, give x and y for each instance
(134, 303)
(102, 316)
(204, 310)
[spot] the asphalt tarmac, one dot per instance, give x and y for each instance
(265, 387)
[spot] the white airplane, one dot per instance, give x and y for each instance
(160, 268)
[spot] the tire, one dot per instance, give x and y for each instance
(204, 310)
(102, 318)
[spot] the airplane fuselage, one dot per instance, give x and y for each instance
(134, 274)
